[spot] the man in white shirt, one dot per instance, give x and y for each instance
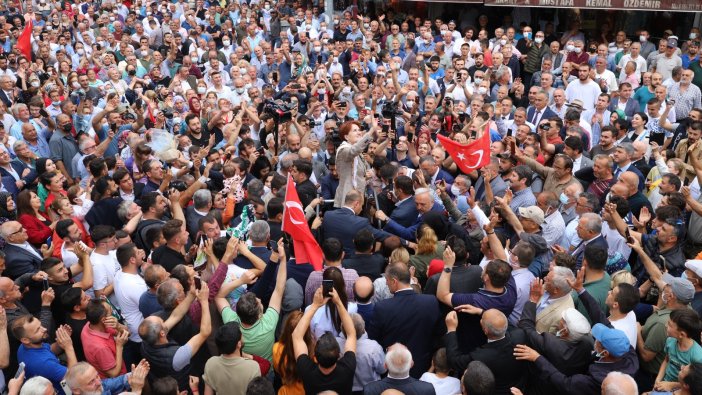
(129, 286)
(584, 89)
(104, 261)
(633, 56)
(606, 78)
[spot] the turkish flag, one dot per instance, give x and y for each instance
(307, 249)
(471, 156)
(24, 41)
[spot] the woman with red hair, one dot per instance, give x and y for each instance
(349, 163)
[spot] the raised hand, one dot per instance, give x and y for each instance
(523, 352)
(451, 321)
(449, 257)
(536, 290)
(468, 309)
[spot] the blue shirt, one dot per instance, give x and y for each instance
(42, 362)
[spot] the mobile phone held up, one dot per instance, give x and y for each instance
(327, 286)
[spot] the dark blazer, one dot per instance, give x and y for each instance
(19, 167)
(18, 261)
(497, 355)
(307, 192)
(631, 107)
(5, 99)
(642, 166)
(598, 241)
(547, 113)
(104, 212)
(369, 265)
(571, 357)
(406, 213)
(444, 176)
(411, 319)
(329, 185)
(632, 168)
(408, 232)
(408, 386)
(343, 224)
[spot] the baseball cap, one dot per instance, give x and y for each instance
(682, 288)
(533, 213)
(672, 42)
(613, 340)
(577, 103)
(575, 321)
(695, 265)
(668, 32)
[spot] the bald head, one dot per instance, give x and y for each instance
(305, 154)
(363, 288)
(631, 180)
(640, 149)
(617, 383)
(494, 324)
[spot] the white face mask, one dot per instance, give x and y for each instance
(80, 52)
(577, 50)
(478, 81)
(559, 333)
(538, 40)
(266, 190)
(503, 42)
(139, 90)
(201, 90)
(455, 191)
(267, 7)
(642, 38)
(194, 59)
(35, 84)
(570, 47)
(693, 36)
(318, 49)
(75, 85)
(240, 90)
(482, 90)
(226, 43)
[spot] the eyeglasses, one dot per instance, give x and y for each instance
(19, 231)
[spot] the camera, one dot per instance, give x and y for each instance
(177, 185)
(390, 110)
(280, 110)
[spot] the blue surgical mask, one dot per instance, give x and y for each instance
(563, 198)
(527, 35)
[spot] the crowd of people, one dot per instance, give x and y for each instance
(148, 155)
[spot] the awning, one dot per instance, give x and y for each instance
(452, 1)
(626, 5)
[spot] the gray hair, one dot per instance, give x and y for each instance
(501, 71)
(149, 330)
(37, 385)
(561, 275)
(627, 147)
(167, 294)
(494, 331)
(123, 210)
(202, 199)
(255, 187)
(358, 324)
(619, 383)
(259, 231)
(593, 222)
(18, 144)
(610, 162)
(15, 112)
(73, 374)
(398, 360)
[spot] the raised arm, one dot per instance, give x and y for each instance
(248, 277)
(346, 323)
(298, 335)
(199, 339)
(84, 258)
(179, 312)
(443, 290)
(280, 279)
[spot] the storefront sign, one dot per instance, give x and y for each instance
(627, 5)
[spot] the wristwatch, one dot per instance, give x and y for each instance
(448, 269)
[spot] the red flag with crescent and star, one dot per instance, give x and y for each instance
(294, 223)
(24, 42)
(468, 157)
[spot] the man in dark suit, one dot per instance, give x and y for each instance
(345, 223)
(20, 256)
(16, 171)
(404, 211)
(590, 232)
(408, 318)
(330, 182)
(622, 163)
(540, 110)
(7, 91)
(301, 172)
(424, 204)
(497, 353)
(631, 106)
(429, 163)
(364, 261)
(398, 360)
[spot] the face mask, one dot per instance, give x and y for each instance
(201, 90)
(599, 355)
(81, 52)
(570, 47)
(35, 84)
(503, 42)
(538, 40)
(56, 103)
(67, 127)
(563, 198)
(131, 73)
(559, 333)
(318, 49)
(577, 50)
(226, 43)
(75, 85)
(336, 21)
(366, 26)
(693, 36)
(148, 13)
(443, 32)
(642, 39)
(482, 90)
(112, 19)
(527, 35)
(240, 90)
(139, 90)
(478, 81)
(336, 60)
(454, 189)
(266, 190)
(194, 59)
(267, 7)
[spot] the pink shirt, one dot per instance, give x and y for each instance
(100, 349)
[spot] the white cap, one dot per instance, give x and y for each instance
(576, 323)
(695, 265)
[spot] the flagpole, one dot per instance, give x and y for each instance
(285, 198)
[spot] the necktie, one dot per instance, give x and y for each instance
(536, 116)
(617, 173)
